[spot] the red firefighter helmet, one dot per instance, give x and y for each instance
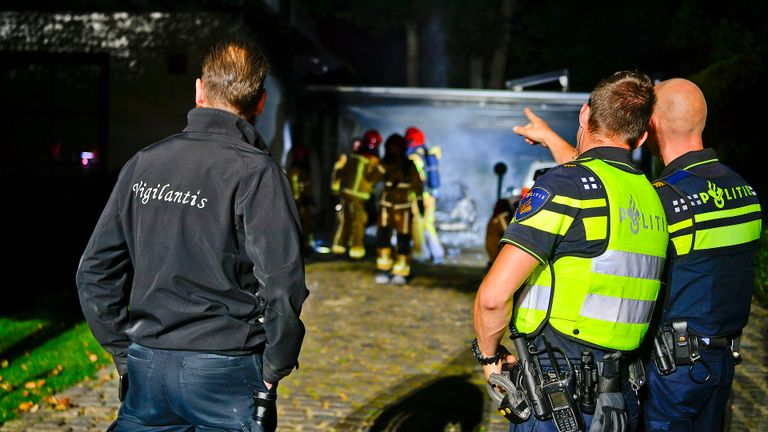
(414, 136)
(371, 141)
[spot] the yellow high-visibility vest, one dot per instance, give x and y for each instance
(605, 300)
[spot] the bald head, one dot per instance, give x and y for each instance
(678, 119)
(680, 107)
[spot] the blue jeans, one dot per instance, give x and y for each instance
(676, 403)
(190, 391)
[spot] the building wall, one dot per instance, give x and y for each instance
(153, 61)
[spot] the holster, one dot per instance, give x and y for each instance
(662, 353)
(686, 348)
(609, 373)
(674, 346)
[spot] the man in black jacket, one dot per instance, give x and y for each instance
(193, 278)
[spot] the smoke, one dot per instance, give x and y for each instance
(473, 138)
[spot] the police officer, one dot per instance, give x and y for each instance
(585, 249)
(714, 227)
(402, 186)
(356, 180)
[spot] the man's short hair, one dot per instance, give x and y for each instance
(233, 74)
(621, 106)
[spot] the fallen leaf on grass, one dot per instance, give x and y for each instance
(25, 393)
(26, 406)
(34, 384)
(57, 370)
(24, 366)
(93, 358)
(4, 364)
(6, 386)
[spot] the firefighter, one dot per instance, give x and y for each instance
(339, 233)
(402, 186)
(426, 243)
(356, 178)
(340, 162)
(503, 211)
(299, 177)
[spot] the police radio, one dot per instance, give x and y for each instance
(558, 388)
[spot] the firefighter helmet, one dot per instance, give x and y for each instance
(414, 137)
(371, 141)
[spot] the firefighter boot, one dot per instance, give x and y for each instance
(384, 259)
(400, 270)
(357, 252)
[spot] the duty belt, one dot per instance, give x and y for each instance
(706, 343)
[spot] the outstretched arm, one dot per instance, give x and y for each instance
(538, 131)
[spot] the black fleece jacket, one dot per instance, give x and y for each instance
(198, 249)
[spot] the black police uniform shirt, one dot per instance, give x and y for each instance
(710, 267)
(201, 237)
(572, 181)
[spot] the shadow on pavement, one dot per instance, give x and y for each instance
(448, 404)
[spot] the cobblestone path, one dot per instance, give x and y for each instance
(387, 358)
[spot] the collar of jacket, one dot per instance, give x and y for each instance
(615, 154)
(222, 122)
(688, 159)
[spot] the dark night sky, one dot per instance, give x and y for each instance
(592, 39)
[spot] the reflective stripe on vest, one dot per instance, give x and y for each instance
(630, 264)
(606, 300)
(533, 300)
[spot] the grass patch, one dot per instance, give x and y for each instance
(44, 350)
(16, 330)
